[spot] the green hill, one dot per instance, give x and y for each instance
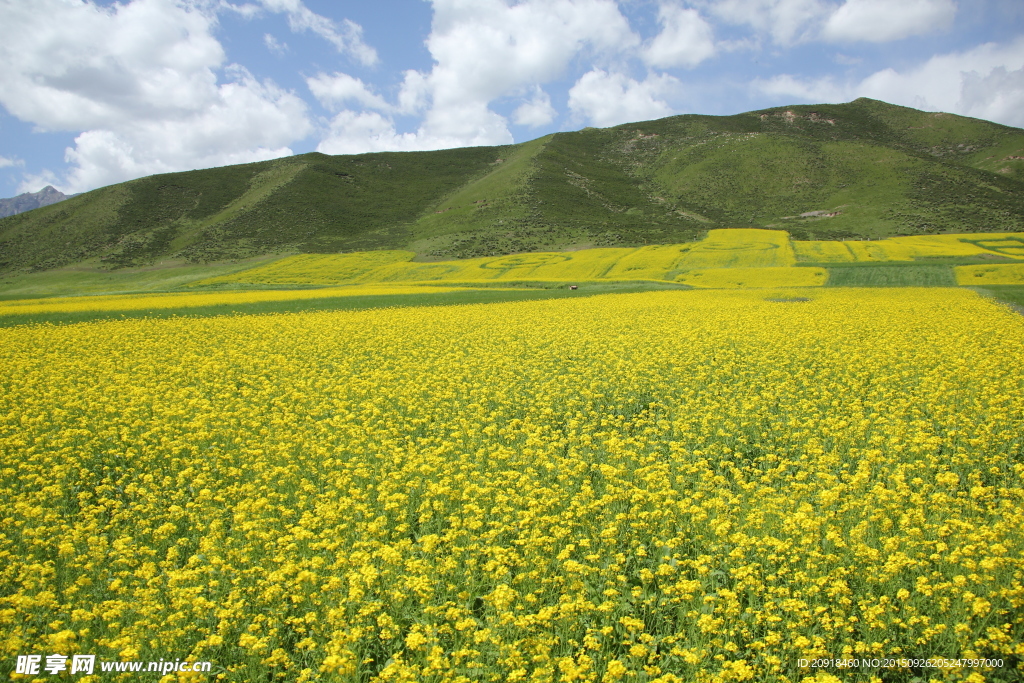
(862, 169)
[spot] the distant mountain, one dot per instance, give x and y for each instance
(861, 169)
(31, 200)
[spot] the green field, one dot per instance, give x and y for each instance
(891, 275)
(83, 279)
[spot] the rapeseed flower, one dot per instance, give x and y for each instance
(691, 486)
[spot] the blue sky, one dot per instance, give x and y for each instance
(97, 92)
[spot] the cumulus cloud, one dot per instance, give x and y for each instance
(985, 82)
(686, 39)
(347, 38)
(247, 121)
(139, 84)
(5, 162)
(335, 90)
(884, 20)
(352, 132)
(784, 21)
(537, 112)
(414, 95)
(355, 133)
(70, 66)
(486, 50)
(608, 99)
(997, 95)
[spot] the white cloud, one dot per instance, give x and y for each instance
(883, 20)
(985, 82)
(348, 38)
(485, 50)
(359, 132)
(818, 90)
(785, 21)
(335, 90)
(248, 121)
(355, 133)
(73, 66)
(139, 84)
(352, 132)
(537, 112)
(685, 40)
(6, 162)
(996, 96)
(788, 22)
(248, 10)
(414, 95)
(278, 48)
(608, 99)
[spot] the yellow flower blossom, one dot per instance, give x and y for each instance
(679, 486)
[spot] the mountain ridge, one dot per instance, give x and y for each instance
(31, 200)
(860, 169)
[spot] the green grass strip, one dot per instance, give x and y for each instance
(894, 275)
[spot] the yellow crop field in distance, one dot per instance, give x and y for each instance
(589, 264)
(586, 264)
(758, 278)
(823, 252)
(654, 262)
(672, 486)
(1009, 245)
(315, 269)
(197, 299)
(1001, 274)
(739, 248)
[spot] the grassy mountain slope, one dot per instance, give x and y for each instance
(311, 202)
(862, 169)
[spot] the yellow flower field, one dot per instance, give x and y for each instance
(756, 278)
(1001, 274)
(740, 248)
(317, 269)
(823, 251)
(721, 249)
(655, 262)
(1009, 245)
(194, 300)
(668, 486)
